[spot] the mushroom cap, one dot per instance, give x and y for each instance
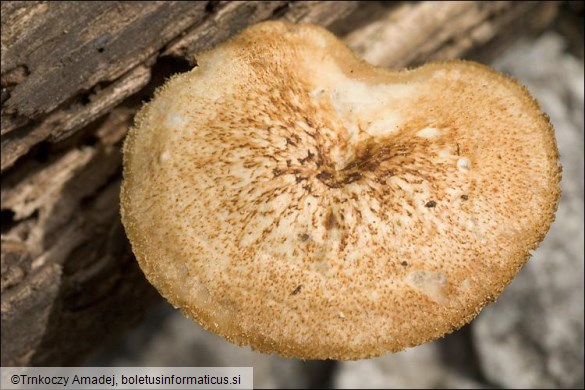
(288, 196)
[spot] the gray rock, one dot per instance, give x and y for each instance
(420, 367)
(168, 339)
(533, 336)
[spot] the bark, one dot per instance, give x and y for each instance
(73, 76)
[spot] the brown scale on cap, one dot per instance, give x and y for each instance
(288, 196)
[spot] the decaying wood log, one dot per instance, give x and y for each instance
(73, 76)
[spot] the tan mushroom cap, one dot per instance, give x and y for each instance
(288, 196)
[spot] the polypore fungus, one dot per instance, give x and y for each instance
(288, 196)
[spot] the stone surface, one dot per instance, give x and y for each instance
(167, 338)
(533, 336)
(420, 367)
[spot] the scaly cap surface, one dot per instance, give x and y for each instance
(288, 196)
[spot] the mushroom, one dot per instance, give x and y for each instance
(288, 196)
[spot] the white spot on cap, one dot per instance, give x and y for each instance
(317, 92)
(321, 266)
(164, 156)
(341, 315)
(386, 125)
(431, 283)
(466, 285)
(444, 153)
(337, 105)
(428, 132)
(352, 130)
(464, 164)
(175, 120)
(470, 224)
(319, 40)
